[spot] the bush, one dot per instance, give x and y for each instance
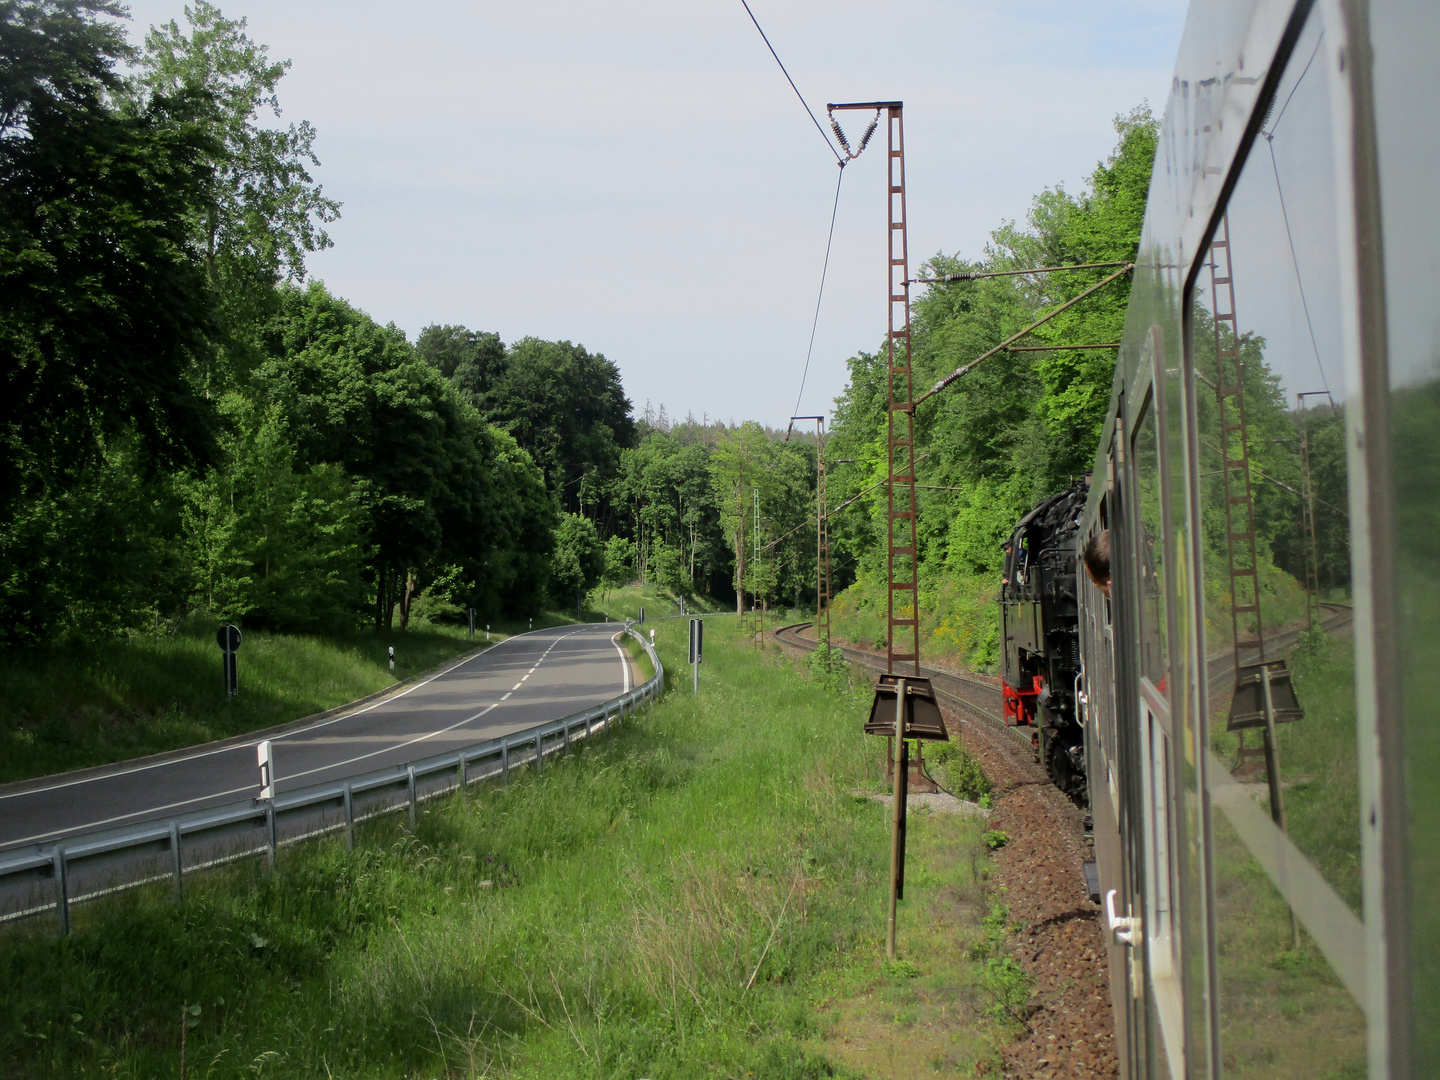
(829, 667)
(959, 772)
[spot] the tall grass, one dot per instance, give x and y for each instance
(658, 904)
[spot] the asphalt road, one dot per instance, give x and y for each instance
(516, 684)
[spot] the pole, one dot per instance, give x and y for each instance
(177, 866)
(897, 822)
(62, 889)
(1272, 773)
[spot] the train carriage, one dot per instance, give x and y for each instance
(1258, 692)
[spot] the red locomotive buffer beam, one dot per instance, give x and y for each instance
(1020, 704)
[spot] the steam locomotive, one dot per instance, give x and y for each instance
(1040, 630)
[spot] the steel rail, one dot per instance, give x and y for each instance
(976, 711)
(231, 830)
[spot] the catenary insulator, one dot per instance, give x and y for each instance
(868, 132)
(835, 126)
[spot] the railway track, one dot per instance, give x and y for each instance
(977, 698)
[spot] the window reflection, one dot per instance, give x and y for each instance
(1268, 349)
(1150, 550)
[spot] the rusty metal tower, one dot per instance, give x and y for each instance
(1247, 629)
(902, 644)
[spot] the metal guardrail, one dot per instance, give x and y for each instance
(87, 865)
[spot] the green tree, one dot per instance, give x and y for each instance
(566, 406)
(105, 306)
(262, 211)
(577, 564)
(741, 465)
(619, 562)
(473, 361)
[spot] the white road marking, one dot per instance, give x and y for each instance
(251, 787)
(624, 661)
(305, 731)
(247, 745)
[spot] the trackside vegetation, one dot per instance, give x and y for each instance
(697, 894)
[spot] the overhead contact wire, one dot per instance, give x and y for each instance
(838, 156)
(824, 270)
(1285, 213)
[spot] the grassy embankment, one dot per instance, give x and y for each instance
(698, 894)
(76, 705)
(959, 618)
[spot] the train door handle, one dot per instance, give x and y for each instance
(1124, 929)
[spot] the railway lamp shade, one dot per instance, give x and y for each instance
(922, 711)
(1247, 707)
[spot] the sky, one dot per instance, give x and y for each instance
(638, 177)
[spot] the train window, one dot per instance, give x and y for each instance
(1268, 338)
(1403, 35)
(1149, 548)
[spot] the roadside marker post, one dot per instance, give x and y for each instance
(392, 657)
(228, 638)
(697, 642)
(265, 757)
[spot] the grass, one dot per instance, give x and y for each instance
(1319, 759)
(959, 618)
(698, 894)
(81, 704)
(1283, 1014)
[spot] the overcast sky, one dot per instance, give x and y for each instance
(637, 177)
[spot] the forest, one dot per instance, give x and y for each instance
(193, 428)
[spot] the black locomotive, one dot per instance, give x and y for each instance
(1040, 627)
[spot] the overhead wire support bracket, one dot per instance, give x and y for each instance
(1061, 348)
(979, 275)
(965, 369)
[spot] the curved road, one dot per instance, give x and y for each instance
(515, 684)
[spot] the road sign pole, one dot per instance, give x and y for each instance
(228, 638)
(697, 642)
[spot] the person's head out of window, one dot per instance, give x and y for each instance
(1097, 560)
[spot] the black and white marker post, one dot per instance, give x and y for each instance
(228, 638)
(392, 657)
(266, 760)
(697, 641)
